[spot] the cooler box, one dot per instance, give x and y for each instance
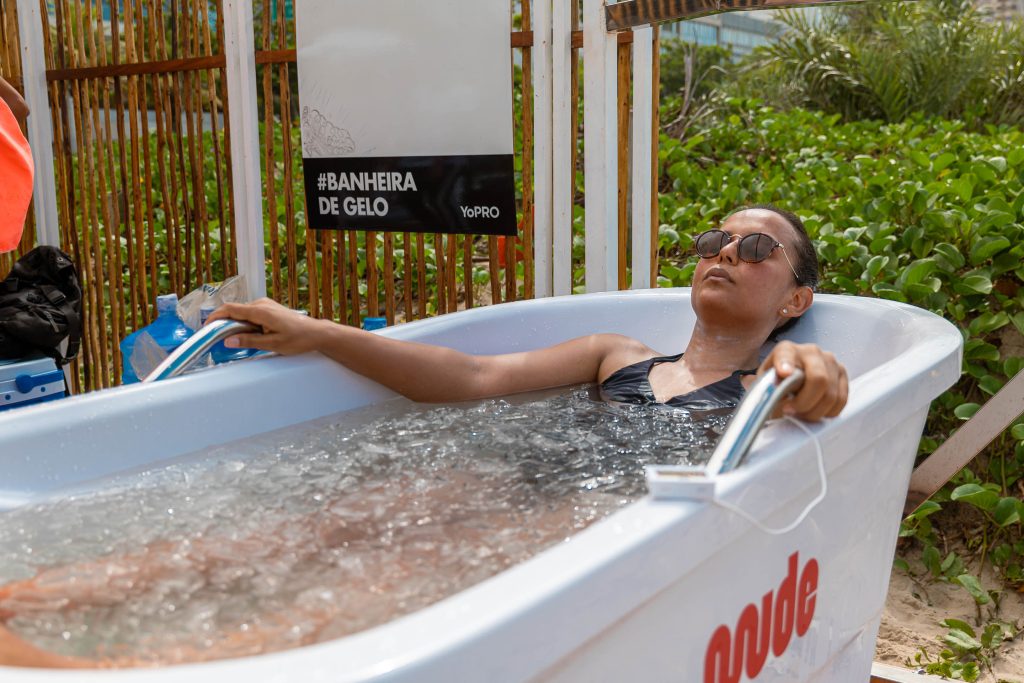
(29, 380)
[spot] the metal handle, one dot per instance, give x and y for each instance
(186, 355)
(751, 415)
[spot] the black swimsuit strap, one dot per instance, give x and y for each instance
(631, 384)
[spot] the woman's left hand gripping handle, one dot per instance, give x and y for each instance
(825, 387)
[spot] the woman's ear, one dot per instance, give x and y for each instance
(798, 303)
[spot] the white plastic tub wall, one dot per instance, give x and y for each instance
(655, 592)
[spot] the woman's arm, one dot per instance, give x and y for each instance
(13, 100)
(424, 372)
(17, 652)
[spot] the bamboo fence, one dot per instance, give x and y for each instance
(139, 105)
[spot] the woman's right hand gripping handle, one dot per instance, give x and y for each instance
(284, 331)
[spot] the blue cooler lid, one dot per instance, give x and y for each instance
(29, 380)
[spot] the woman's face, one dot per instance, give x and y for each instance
(732, 294)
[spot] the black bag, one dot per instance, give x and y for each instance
(41, 307)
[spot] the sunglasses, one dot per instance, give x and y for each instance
(753, 248)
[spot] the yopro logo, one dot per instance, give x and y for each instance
(480, 211)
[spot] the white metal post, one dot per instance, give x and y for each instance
(542, 156)
(600, 158)
(643, 90)
(40, 123)
(562, 141)
(247, 183)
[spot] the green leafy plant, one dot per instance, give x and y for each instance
(890, 60)
(965, 651)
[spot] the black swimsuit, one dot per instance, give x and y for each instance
(632, 384)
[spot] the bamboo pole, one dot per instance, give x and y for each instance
(193, 181)
(284, 93)
(353, 275)
(467, 268)
(622, 120)
(198, 19)
(211, 92)
(452, 265)
(111, 193)
(494, 269)
(250, 262)
(389, 278)
(125, 181)
(528, 103)
(142, 188)
(407, 268)
(342, 290)
(421, 276)
(441, 274)
(372, 276)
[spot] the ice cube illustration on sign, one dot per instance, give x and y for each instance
(321, 138)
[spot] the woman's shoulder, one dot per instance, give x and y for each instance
(620, 344)
(620, 351)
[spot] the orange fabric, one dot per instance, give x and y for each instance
(16, 172)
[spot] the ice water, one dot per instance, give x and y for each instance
(327, 528)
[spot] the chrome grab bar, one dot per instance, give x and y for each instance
(756, 407)
(186, 355)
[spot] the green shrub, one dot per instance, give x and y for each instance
(890, 60)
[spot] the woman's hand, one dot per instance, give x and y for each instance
(825, 386)
(284, 331)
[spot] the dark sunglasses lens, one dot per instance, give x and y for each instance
(756, 247)
(710, 243)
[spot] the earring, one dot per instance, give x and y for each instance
(785, 310)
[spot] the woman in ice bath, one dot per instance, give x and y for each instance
(756, 275)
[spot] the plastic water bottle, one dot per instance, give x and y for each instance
(168, 331)
(220, 353)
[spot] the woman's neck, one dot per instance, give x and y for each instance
(722, 351)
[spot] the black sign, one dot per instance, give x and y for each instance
(452, 194)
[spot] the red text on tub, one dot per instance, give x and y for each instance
(781, 615)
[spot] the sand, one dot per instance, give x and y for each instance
(914, 611)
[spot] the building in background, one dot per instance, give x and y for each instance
(739, 31)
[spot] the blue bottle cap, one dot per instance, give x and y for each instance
(167, 302)
(374, 323)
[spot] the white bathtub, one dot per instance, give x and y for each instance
(650, 593)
